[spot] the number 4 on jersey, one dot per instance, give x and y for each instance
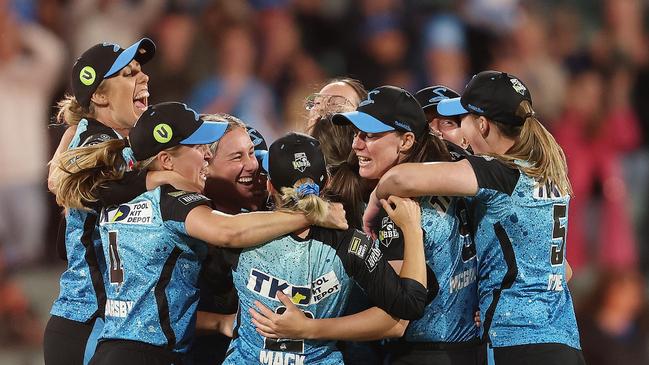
(558, 233)
(116, 272)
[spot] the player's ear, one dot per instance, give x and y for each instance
(407, 141)
(483, 126)
(165, 160)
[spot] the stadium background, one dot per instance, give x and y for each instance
(586, 63)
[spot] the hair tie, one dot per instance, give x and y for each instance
(306, 189)
(531, 114)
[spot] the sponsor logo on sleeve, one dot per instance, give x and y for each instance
(373, 258)
(359, 245)
(135, 213)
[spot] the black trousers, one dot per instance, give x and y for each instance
(538, 354)
(414, 353)
(65, 341)
(123, 352)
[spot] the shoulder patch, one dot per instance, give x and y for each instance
(359, 244)
(187, 197)
(96, 139)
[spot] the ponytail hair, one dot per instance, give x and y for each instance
(348, 188)
(303, 197)
(80, 172)
(70, 111)
(536, 146)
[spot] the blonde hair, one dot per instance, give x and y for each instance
(314, 207)
(71, 112)
(233, 122)
(79, 172)
(536, 146)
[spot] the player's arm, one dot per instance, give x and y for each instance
(424, 179)
(371, 324)
(250, 229)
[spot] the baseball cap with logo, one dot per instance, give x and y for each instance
(293, 157)
(493, 94)
(103, 61)
(170, 124)
(387, 108)
(429, 97)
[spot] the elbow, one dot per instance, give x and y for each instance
(392, 183)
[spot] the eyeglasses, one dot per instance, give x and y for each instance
(331, 103)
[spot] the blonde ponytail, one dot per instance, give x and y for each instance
(312, 205)
(70, 111)
(536, 146)
(79, 172)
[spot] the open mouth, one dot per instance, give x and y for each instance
(245, 180)
(141, 100)
(363, 161)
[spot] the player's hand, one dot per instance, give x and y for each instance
(406, 212)
(335, 217)
(292, 324)
(159, 178)
(371, 215)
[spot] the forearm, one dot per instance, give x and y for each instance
(414, 261)
(370, 324)
(395, 182)
(251, 229)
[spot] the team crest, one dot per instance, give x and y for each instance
(518, 86)
(388, 231)
(301, 162)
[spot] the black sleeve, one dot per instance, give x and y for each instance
(175, 204)
(215, 281)
(457, 153)
(401, 297)
(390, 238)
(115, 192)
(493, 174)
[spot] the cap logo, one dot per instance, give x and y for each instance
(87, 75)
(518, 86)
(402, 125)
(439, 92)
(369, 100)
(475, 108)
(301, 162)
(162, 133)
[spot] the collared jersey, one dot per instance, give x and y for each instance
(152, 268)
(317, 274)
(520, 240)
(81, 295)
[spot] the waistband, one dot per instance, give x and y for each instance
(402, 345)
(170, 356)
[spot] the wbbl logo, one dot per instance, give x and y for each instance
(388, 231)
(301, 162)
(518, 86)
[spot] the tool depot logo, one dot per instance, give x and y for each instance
(268, 286)
(136, 213)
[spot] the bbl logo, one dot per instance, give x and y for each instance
(388, 231)
(87, 75)
(301, 162)
(518, 86)
(162, 133)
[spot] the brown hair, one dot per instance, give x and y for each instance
(427, 148)
(536, 146)
(345, 185)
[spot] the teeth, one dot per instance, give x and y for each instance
(244, 180)
(141, 95)
(363, 159)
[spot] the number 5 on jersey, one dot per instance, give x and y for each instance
(116, 272)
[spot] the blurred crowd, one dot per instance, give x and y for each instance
(585, 61)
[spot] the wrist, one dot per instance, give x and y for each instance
(309, 330)
(412, 230)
